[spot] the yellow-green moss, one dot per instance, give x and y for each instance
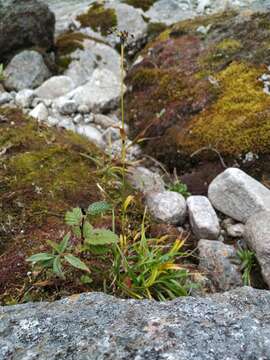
(142, 4)
(219, 54)
(239, 121)
(99, 18)
(42, 172)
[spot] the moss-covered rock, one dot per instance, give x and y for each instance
(43, 173)
(99, 18)
(67, 43)
(198, 90)
(142, 4)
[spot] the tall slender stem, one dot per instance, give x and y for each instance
(123, 135)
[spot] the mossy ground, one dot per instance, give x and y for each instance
(99, 18)
(195, 90)
(43, 173)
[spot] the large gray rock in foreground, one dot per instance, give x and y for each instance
(257, 235)
(232, 326)
(238, 195)
(25, 24)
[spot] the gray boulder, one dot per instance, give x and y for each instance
(219, 262)
(257, 236)
(26, 70)
(100, 93)
(25, 24)
(203, 218)
(92, 326)
(55, 87)
(167, 207)
(238, 195)
(94, 55)
(145, 180)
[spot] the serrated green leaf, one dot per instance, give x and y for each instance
(40, 257)
(98, 208)
(64, 243)
(76, 262)
(102, 237)
(87, 229)
(57, 268)
(77, 231)
(74, 217)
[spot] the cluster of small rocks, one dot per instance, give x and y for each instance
(57, 101)
(237, 209)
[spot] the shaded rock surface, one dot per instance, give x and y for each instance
(220, 263)
(234, 326)
(257, 235)
(25, 24)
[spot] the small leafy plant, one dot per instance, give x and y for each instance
(57, 257)
(247, 259)
(91, 240)
(180, 188)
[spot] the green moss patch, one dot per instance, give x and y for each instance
(99, 18)
(239, 121)
(43, 173)
(142, 4)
